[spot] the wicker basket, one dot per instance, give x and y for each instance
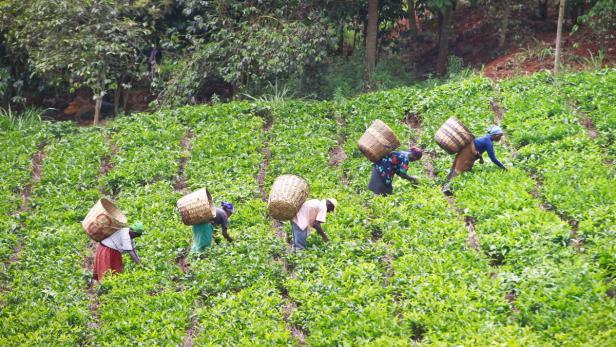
(378, 141)
(196, 207)
(287, 196)
(103, 220)
(453, 136)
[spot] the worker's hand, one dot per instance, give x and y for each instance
(414, 180)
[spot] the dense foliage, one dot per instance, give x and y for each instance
(398, 270)
(176, 49)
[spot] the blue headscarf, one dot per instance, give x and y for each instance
(227, 206)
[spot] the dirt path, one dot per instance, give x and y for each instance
(180, 185)
(37, 162)
(585, 121)
(591, 129)
(576, 241)
(186, 143)
(193, 329)
(499, 114)
(289, 306)
(267, 156)
(26, 192)
(337, 154)
(88, 263)
(473, 239)
(413, 121)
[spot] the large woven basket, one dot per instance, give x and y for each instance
(286, 197)
(453, 136)
(378, 141)
(196, 207)
(103, 220)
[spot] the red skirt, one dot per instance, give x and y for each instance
(107, 259)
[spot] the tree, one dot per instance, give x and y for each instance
(412, 21)
(602, 19)
(79, 43)
(371, 40)
(444, 21)
(506, 10)
(250, 45)
(559, 30)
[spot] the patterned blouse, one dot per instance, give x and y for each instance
(391, 164)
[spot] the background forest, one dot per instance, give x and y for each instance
(135, 55)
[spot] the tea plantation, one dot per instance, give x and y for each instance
(522, 257)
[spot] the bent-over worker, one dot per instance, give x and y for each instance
(465, 159)
(109, 251)
(395, 163)
(311, 215)
(202, 233)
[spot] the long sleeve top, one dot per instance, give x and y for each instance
(484, 144)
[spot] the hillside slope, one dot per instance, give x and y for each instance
(522, 257)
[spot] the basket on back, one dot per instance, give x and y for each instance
(286, 197)
(196, 207)
(453, 136)
(378, 141)
(103, 220)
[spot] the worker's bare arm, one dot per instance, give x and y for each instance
(226, 234)
(134, 256)
(317, 226)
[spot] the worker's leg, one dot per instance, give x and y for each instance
(299, 237)
(202, 237)
(106, 260)
(465, 159)
(463, 162)
(376, 184)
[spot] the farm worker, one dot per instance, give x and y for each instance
(395, 163)
(466, 157)
(202, 233)
(109, 251)
(311, 215)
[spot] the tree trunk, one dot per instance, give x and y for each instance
(543, 10)
(504, 23)
(124, 100)
(371, 40)
(559, 31)
(444, 17)
(341, 38)
(364, 32)
(412, 22)
(97, 107)
(116, 99)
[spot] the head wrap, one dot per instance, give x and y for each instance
(416, 152)
(137, 227)
(227, 206)
(495, 130)
(333, 202)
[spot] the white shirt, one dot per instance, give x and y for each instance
(120, 241)
(311, 211)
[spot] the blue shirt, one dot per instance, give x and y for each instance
(484, 144)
